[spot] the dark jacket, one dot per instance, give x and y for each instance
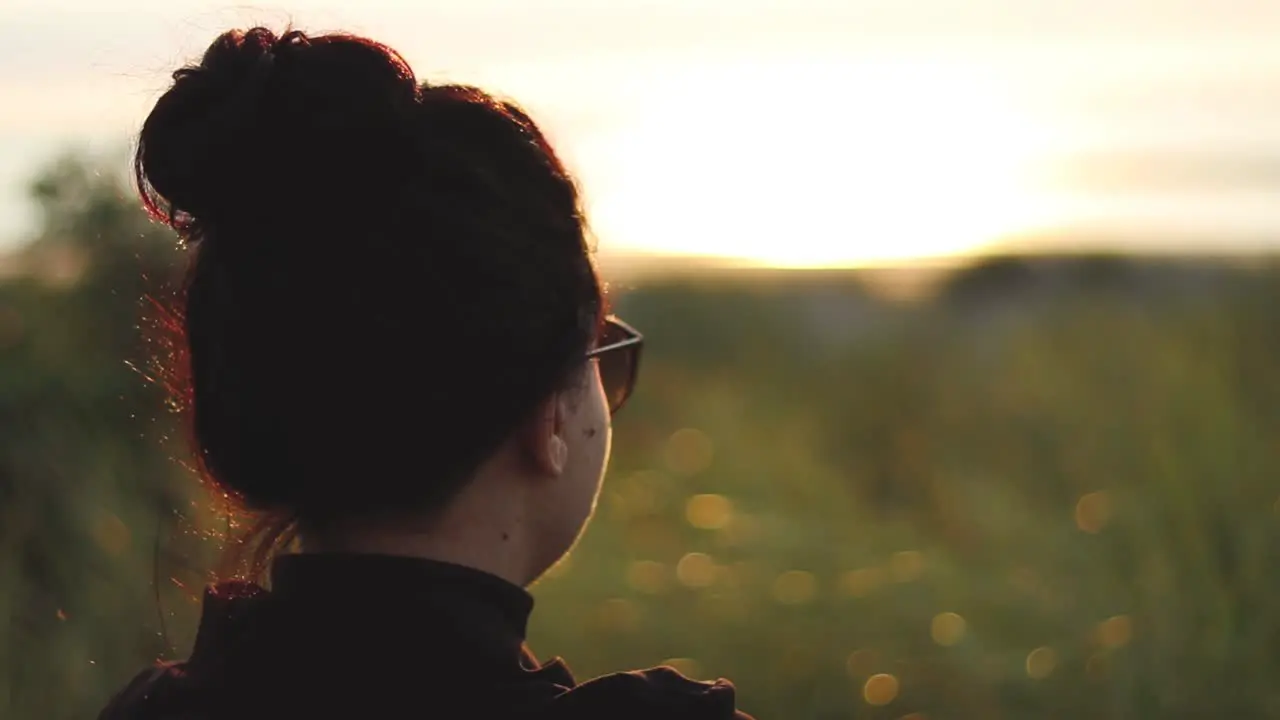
(381, 637)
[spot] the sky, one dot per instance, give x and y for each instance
(783, 132)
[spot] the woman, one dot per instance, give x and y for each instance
(396, 350)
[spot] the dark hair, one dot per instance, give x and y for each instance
(387, 276)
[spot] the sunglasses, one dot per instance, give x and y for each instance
(617, 352)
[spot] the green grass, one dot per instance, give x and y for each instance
(1019, 507)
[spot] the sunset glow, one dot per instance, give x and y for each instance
(820, 165)
(805, 133)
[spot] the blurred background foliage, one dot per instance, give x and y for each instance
(1044, 489)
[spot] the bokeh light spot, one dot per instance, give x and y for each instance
(722, 607)
(862, 582)
(696, 570)
(741, 529)
(906, 566)
(797, 662)
(861, 663)
(1115, 632)
(880, 689)
(708, 511)
(795, 587)
(648, 577)
(688, 451)
(1093, 512)
(618, 615)
(947, 629)
(1041, 663)
(653, 537)
(638, 495)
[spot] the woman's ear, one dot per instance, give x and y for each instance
(545, 442)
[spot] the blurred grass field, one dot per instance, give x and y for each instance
(1045, 491)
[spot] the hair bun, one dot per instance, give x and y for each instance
(191, 146)
(268, 129)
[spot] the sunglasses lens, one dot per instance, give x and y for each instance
(617, 367)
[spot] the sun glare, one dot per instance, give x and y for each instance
(819, 165)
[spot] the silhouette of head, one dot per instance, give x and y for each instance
(389, 290)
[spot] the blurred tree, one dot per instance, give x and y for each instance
(987, 279)
(81, 481)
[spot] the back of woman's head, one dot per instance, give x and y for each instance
(387, 277)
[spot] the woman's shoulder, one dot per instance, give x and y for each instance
(147, 695)
(161, 693)
(659, 692)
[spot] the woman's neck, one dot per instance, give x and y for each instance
(474, 531)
